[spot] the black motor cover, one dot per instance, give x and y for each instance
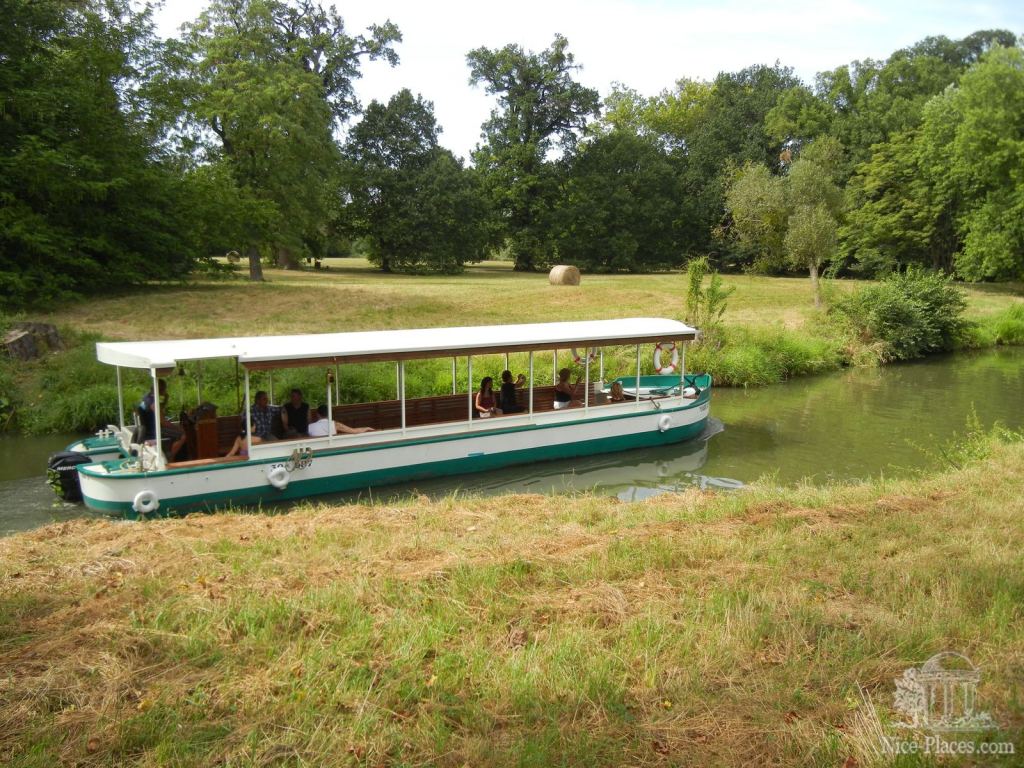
(62, 474)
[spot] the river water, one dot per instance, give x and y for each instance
(852, 425)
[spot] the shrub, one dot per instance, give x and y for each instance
(705, 306)
(911, 314)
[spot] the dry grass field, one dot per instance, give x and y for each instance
(688, 630)
(352, 295)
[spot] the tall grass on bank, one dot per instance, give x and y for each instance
(752, 357)
(770, 335)
(1002, 328)
(690, 630)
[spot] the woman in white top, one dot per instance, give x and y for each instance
(323, 426)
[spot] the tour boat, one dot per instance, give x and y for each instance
(123, 473)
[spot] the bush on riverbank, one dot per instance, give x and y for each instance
(907, 315)
(698, 628)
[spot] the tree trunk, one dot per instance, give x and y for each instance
(816, 285)
(285, 259)
(523, 254)
(255, 267)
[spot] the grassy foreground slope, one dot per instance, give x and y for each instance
(694, 629)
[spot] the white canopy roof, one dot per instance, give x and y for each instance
(362, 346)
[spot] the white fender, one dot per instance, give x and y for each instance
(664, 423)
(145, 502)
(279, 477)
(577, 358)
(670, 347)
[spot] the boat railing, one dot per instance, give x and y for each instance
(436, 415)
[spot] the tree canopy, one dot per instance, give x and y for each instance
(90, 200)
(265, 83)
(413, 202)
(540, 107)
(125, 159)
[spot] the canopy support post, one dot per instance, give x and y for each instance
(161, 462)
(554, 367)
(330, 410)
(248, 413)
(453, 376)
(401, 392)
(682, 371)
(120, 399)
(531, 385)
(469, 385)
(586, 383)
(636, 388)
(199, 382)
(337, 383)
(270, 384)
(601, 373)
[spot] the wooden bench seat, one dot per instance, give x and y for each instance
(203, 462)
(214, 437)
(386, 414)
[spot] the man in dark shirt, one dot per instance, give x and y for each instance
(295, 415)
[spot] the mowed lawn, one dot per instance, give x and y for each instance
(352, 295)
(688, 630)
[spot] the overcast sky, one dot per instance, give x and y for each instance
(644, 44)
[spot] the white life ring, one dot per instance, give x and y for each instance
(670, 347)
(145, 502)
(664, 423)
(591, 355)
(279, 477)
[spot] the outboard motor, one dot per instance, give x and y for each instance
(62, 474)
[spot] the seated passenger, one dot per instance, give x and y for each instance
(564, 391)
(324, 426)
(507, 401)
(615, 394)
(263, 417)
(241, 446)
(170, 432)
(484, 400)
(295, 415)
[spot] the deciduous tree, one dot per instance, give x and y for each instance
(622, 206)
(265, 83)
(541, 108)
(412, 201)
(89, 201)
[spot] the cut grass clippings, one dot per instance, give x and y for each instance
(697, 629)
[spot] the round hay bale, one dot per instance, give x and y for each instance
(564, 275)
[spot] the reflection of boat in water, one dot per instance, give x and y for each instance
(628, 475)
